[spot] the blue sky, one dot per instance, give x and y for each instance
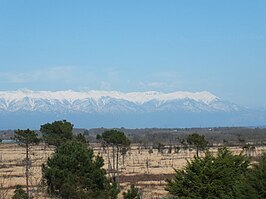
(178, 45)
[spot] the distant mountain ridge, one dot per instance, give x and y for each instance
(92, 109)
(111, 101)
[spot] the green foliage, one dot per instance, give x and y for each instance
(57, 133)
(253, 185)
(132, 193)
(209, 177)
(73, 172)
(81, 138)
(115, 137)
(19, 193)
(26, 137)
(197, 141)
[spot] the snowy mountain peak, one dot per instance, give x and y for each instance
(111, 101)
(24, 108)
(136, 97)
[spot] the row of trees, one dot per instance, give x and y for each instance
(232, 136)
(119, 143)
(73, 171)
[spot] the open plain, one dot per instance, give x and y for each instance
(146, 168)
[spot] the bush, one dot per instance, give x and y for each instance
(19, 193)
(209, 176)
(132, 193)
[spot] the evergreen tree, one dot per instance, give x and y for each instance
(73, 172)
(57, 132)
(81, 138)
(209, 177)
(253, 185)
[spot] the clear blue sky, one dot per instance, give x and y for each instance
(140, 45)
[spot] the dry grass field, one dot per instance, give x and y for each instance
(146, 170)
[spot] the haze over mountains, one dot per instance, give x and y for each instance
(30, 109)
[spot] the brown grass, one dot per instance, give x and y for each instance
(150, 179)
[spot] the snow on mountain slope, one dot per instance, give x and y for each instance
(137, 97)
(110, 101)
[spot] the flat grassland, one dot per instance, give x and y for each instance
(145, 168)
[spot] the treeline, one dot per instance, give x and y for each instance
(232, 136)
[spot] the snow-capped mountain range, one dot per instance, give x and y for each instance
(30, 109)
(111, 101)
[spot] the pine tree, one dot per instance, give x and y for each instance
(57, 132)
(209, 176)
(253, 185)
(73, 172)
